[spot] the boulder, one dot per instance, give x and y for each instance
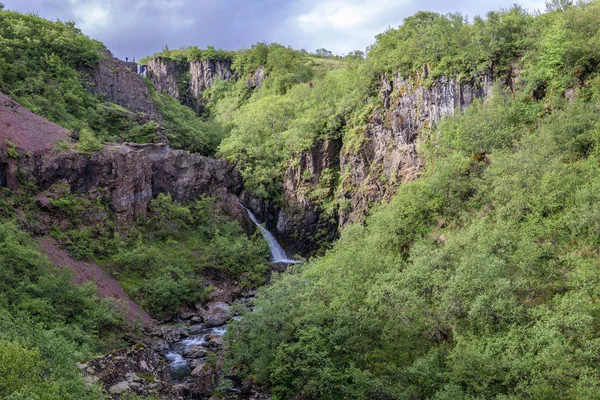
(119, 388)
(137, 369)
(195, 352)
(217, 314)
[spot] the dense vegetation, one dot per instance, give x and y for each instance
(303, 98)
(160, 260)
(47, 324)
(162, 267)
(43, 65)
(479, 280)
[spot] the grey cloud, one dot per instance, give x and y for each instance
(136, 28)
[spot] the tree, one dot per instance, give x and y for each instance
(324, 52)
(356, 54)
(1, 6)
(558, 5)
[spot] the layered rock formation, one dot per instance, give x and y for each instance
(186, 81)
(372, 170)
(119, 82)
(388, 155)
(130, 176)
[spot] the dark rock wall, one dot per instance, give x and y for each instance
(372, 171)
(131, 176)
(186, 82)
(120, 83)
(388, 155)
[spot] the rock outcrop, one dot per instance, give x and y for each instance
(130, 176)
(257, 78)
(203, 74)
(388, 154)
(303, 223)
(119, 82)
(361, 175)
(186, 81)
(164, 75)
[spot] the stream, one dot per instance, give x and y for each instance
(176, 356)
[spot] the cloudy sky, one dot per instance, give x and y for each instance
(135, 28)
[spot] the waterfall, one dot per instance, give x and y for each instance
(277, 253)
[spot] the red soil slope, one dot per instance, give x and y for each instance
(90, 272)
(28, 131)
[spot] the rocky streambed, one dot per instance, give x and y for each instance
(183, 358)
(192, 346)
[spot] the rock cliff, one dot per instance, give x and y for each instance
(388, 156)
(186, 81)
(305, 221)
(131, 175)
(119, 82)
(359, 175)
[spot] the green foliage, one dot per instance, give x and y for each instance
(192, 53)
(46, 324)
(88, 143)
(476, 281)
(162, 267)
(12, 150)
(450, 45)
(270, 128)
(184, 128)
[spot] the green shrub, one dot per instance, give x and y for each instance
(88, 142)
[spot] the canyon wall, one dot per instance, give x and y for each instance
(119, 82)
(186, 81)
(334, 184)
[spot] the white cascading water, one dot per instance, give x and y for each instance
(277, 253)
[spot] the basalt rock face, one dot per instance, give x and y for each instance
(164, 75)
(120, 83)
(186, 81)
(302, 223)
(203, 74)
(255, 81)
(131, 176)
(370, 172)
(388, 154)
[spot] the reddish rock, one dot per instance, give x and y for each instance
(29, 132)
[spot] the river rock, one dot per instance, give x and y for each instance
(170, 333)
(195, 352)
(137, 369)
(216, 342)
(195, 329)
(198, 369)
(195, 363)
(207, 378)
(217, 314)
(119, 388)
(186, 314)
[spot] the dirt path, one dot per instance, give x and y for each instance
(90, 272)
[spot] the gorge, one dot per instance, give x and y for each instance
(420, 222)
